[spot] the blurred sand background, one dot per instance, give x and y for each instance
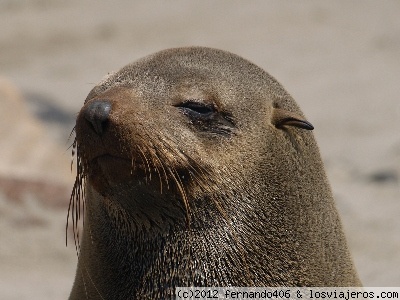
(339, 59)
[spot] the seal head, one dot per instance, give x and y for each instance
(199, 169)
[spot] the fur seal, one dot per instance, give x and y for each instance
(197, 168)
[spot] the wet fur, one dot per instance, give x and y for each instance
(248, 205)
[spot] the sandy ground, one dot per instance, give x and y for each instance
(339, 59)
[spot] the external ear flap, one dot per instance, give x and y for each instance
(281, 118)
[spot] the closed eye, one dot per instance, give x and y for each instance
(197, 108)
(206, 118)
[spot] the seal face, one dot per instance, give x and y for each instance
(197, 168)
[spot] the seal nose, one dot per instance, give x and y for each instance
(97, 113)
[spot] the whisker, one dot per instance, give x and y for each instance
(165, 172)
(132, 165)
(181, 189)
(76, 207)
(144, 159)
(159, 176)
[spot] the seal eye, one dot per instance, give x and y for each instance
(206, 117)
(197, 108)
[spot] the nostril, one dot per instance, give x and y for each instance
(97, 113)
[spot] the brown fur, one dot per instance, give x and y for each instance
(238, 197)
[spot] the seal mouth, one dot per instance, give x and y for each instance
(107, 172)
(114, 168)
(109, 162)
(105, 158)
